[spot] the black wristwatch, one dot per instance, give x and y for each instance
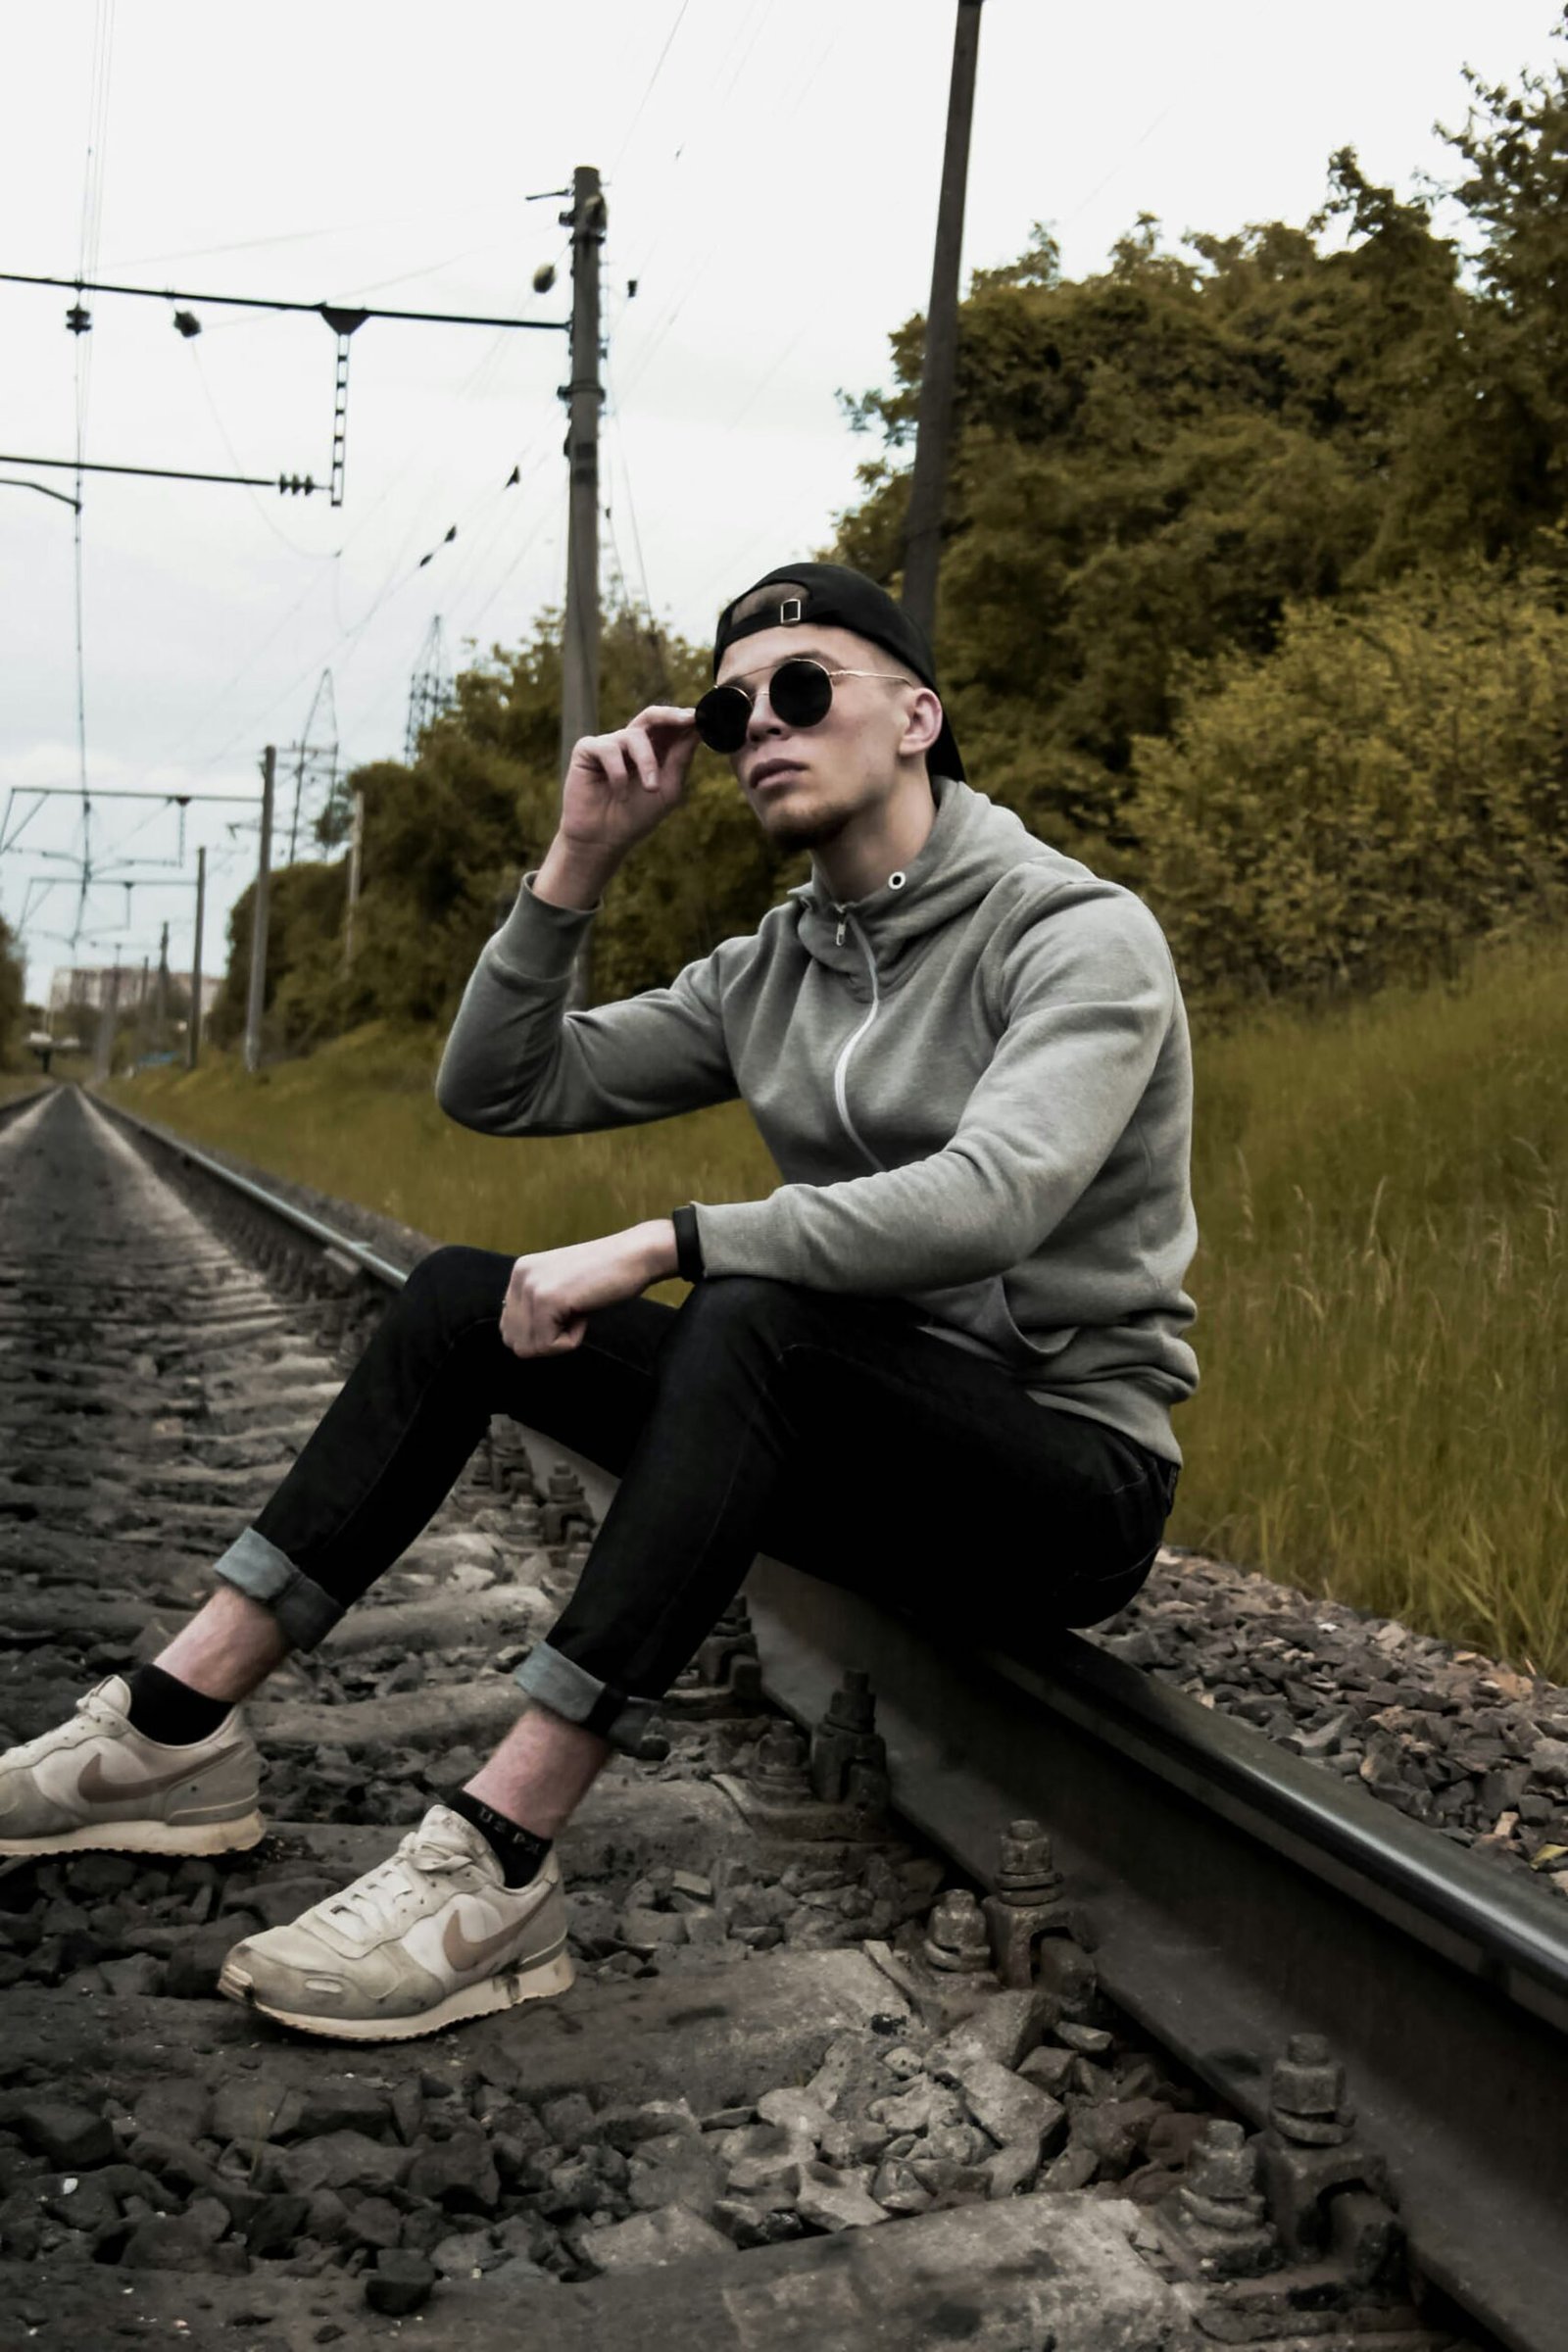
(688, 1246)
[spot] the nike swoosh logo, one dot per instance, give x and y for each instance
(462, 1954)
(96, 1788)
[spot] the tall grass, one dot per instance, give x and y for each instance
(1383, 1301)
(1383, 1294)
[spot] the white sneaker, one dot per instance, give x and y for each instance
(97, 1783)
(428, 1937)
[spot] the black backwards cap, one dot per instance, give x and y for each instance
(832, 596)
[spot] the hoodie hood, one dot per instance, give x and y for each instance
(973, 842)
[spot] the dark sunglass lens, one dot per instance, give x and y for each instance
(801, 693)
(722, 717)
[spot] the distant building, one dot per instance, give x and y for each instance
(87, 986)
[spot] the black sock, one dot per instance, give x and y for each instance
(168, 1710)
(519, 1852)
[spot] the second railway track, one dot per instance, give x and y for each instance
(818, 1987)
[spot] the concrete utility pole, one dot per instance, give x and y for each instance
(264, 869)
(104, 1058)
(583, 395)
(193, 1024)
(299, 794)
(922, 529)
(160, 995)
(355, 856)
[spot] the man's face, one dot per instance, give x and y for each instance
(824, 775)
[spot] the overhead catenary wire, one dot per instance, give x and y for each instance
(479, 565)
(400, 573)
(648, 91)
(397, 574)
(309, 553)
(644, 354)
(397, 577)
(705, 113)
(750, 31)
(293, 237)
(631, 508)
(357, 310)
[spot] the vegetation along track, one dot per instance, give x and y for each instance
(858, 2054)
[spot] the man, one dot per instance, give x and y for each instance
(937, 1362)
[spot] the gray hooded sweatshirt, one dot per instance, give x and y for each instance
(976, 1083)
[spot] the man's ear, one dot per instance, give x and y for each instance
(924, 722)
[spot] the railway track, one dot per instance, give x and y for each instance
(970, 2008)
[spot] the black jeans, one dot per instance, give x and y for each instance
(758, 1416)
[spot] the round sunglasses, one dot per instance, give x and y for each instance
(800, 693)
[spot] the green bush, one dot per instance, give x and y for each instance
(1390, 782)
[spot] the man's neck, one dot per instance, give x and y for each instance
(862, 865)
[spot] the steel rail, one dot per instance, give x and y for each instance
(15, 1104)
(1234, 1894)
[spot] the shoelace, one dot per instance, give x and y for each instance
(93, 1715)
(385, 1890)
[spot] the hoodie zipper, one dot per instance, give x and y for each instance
(840, 1091)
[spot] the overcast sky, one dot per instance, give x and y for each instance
(771, 175)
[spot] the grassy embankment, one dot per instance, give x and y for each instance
(1383, 1301)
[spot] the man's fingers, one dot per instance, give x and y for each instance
(666, 715)
(606, 753)
(613, 760)
(641, 752)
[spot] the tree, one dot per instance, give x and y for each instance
(1514, 188)
(1149, 465)
(305, 910)
(12, 991)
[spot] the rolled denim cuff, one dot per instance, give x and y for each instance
(571, 1690)
(304, 1611)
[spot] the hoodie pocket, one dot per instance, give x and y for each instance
(981, 1309)
(1024, 1349)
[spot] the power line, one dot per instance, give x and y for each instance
(334, 312)
(298, 485)
(344, 319)
(659, 66)
(312, 554)
(296, 236)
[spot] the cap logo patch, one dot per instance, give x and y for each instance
(792, 610)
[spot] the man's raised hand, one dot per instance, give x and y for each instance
(618, 787)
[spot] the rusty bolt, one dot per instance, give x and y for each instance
(778, 1761)
(955, 1936)
(1220, 2210)
(1027, 1870)
(848, 1763)
(853, 1705)
(1306, 2095)
(1222, 2163)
